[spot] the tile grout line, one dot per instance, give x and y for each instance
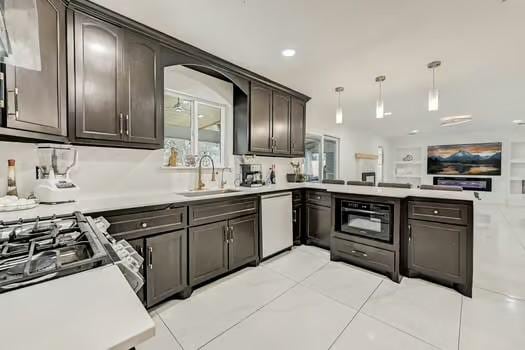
(460, 320)
(266, 304)
(500, 294)
(169, 330)
(249, 315)
(355, 315)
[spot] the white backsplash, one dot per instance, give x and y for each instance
(103, 172)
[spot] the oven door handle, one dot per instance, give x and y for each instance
(361, 211)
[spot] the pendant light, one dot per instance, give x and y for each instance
(380, 104)
(433, 94)
(339, 110)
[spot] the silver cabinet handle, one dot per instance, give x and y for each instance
(2, 85)
(16, 113)
(294, 215)
(409, 233)
(225, 234)
(231, 234)
(121, 123)
(436, 212)
(127, 124)
(144, 225)
(359, 253)
(150, 249)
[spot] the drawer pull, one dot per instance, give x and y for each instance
(436, 212)
(144, 224)
(359, 253)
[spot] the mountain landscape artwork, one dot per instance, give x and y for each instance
(469, 159)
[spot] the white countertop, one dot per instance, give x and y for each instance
(101, 204)
(91, 310)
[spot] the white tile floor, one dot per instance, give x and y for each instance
(301, 300)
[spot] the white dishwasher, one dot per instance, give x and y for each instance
(277, 226)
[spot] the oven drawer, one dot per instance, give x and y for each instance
(319, 198)
(221, 210)
(364, 255)
(448, 213)
(130, 226)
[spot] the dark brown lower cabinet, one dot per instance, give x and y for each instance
(297, 218)
(222, 246)
(208, 251)
(318, 225)
(166, 264)
(438, 250)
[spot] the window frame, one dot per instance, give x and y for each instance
(194, 123)
(321, 138)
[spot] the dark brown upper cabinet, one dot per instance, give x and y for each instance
(271, 123)
(116, 86)
(36, 100)
(261, 119)
(281, 123)
(297, 127)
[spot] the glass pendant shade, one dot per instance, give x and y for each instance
(339, 115)
(433, 100)
(380, 109)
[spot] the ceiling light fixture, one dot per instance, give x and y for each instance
(178, 107)
(433, 94)
(380, 105)
(455, 120)
(339, 110)
(413, 132)
(288, 52)
(519, 122)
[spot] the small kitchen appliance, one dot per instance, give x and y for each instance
(251, 175)
(53, 184)
(367, 219)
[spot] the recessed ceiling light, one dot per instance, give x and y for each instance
(201, 116)
(387, 114)
(413, 132)
(288, 52)
(455, 120)
(519, 122)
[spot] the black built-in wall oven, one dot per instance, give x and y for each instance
(367, 219)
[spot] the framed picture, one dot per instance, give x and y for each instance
(482, 159)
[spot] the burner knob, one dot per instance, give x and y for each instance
(144, 224)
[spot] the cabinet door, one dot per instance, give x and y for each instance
(297, 127)
(243, 241)
(281, 123)
(142, 115)
(138, 245)
(260, 119)
(297, 217)
(438, 250)
(37, 99)
(208, 249)
(166, 261)
(318, 225)
(99, 79)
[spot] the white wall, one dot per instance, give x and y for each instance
(500, 184)
(322, 121)
(118, 172)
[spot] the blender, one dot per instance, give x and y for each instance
(53, 184)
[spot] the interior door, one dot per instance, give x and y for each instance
(437, 250)
(281, 123)
(297, 127)
(37, 99)
(142, 115)
(208, 249)
(166, 257)
(260, 119)
(99, 79)
(243, 240)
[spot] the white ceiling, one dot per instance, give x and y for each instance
(349, 42)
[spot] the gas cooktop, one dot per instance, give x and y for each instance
(33, 251)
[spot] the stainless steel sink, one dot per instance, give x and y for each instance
(206, 193)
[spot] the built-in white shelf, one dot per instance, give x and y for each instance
(408, 171)
(408, 163)
(518, 161)
(409, 176)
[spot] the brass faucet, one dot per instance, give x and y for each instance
(200, 184)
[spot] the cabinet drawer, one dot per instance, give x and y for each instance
(221, 210)
(319, 198)
(129, 226)
(364, 255)
(439, 212)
